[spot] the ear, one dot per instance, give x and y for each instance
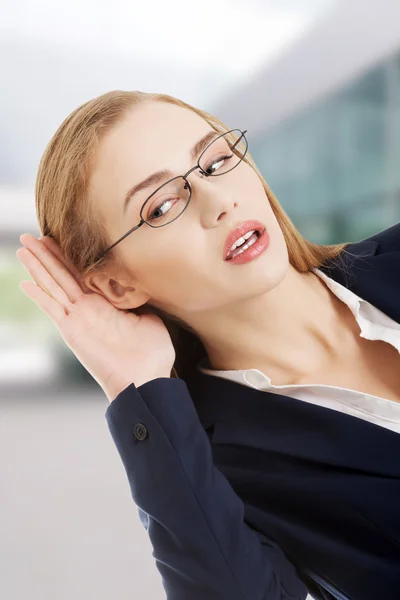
(122, 294)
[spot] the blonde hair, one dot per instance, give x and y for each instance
(65, 214)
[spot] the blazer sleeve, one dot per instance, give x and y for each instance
(202, 547)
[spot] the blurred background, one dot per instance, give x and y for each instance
(317, 85)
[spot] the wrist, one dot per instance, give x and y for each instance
(112, 391)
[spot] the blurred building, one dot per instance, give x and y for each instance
(324, 123)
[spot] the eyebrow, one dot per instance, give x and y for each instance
(159, 176)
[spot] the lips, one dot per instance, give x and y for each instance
(240, 231)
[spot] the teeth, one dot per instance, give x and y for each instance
(241, 240)
(243, 248)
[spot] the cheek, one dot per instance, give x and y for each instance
(174, 270)
(180, 277)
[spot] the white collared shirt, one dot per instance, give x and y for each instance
(374, 325)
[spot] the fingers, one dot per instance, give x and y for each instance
(42, 277)
(52, 308)
(53, 247)
(47, 271)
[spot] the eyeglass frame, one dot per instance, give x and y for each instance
(203, 173)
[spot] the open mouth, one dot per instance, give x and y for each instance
(246, 244)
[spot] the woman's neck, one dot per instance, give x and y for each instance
(292, 331)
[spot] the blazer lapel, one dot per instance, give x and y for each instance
(283, 426)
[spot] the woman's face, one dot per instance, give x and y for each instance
(180, 267)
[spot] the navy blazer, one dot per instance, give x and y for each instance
(251, 495)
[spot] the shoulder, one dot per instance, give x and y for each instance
(367, 265)
(388, 240)
(384, 242)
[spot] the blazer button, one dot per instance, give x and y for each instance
(140, 431)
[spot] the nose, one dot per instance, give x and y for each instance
(212, 200)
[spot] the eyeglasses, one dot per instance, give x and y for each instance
(172, 198)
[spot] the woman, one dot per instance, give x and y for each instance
(248, 489)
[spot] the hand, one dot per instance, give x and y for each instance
(115, 346)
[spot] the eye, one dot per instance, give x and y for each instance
(217, 162)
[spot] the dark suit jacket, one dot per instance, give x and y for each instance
(250, 495)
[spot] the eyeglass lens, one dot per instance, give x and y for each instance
(169, 202)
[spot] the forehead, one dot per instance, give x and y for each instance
(157, 128)
(150, 137)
